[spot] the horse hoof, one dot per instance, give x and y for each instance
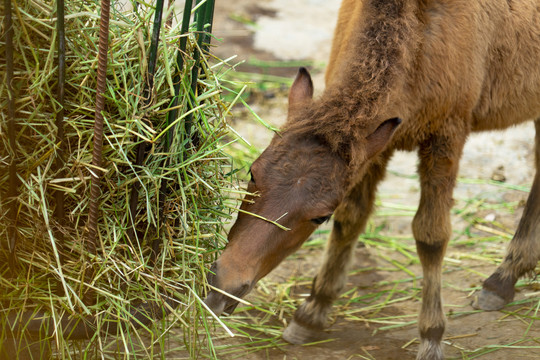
(489, 301)
(297, 334)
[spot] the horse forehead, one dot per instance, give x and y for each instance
(296, 173)
(309, 184)
(301, 171)
(296, 165)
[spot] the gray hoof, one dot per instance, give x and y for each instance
(489, 301)
(297, 334)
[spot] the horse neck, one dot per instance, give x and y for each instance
(376, 51)
(367, 84)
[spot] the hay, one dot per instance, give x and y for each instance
(178, 229)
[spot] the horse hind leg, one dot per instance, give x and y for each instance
(523, 252)
(350, 219)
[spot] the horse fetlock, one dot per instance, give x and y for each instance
(313, 314)
(430, 340)
(299, 334)
(430, 350)
(308, 322)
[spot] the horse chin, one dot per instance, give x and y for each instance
(230, 308)
(217, 302)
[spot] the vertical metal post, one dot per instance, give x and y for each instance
(147, 94)
(204, 16)
(173, 113)
(98, 125)
(12, 188)
(59, 164)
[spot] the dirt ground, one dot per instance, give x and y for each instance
(302, 30)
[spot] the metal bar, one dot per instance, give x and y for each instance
(12, 188)
(103, 47)
(147, 92)
(173, 114)
(59, 164)
(205, 15)
(209, 21)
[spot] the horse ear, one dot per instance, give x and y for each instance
(301, 89)
(380, 137)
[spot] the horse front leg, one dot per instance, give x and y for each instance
(439, 160)
(350, 219)
(523, 252)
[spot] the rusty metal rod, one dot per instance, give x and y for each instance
(98, 125)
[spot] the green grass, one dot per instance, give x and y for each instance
(50, 270)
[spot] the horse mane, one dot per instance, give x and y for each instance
(382, 48)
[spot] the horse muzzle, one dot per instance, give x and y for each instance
(220, 301)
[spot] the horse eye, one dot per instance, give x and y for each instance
(319, 221)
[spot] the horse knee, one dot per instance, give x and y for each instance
(431, 227)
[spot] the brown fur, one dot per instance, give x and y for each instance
(446, 68)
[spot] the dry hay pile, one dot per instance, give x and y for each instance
(181, 204)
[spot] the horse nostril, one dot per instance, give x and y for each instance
(243, 290)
